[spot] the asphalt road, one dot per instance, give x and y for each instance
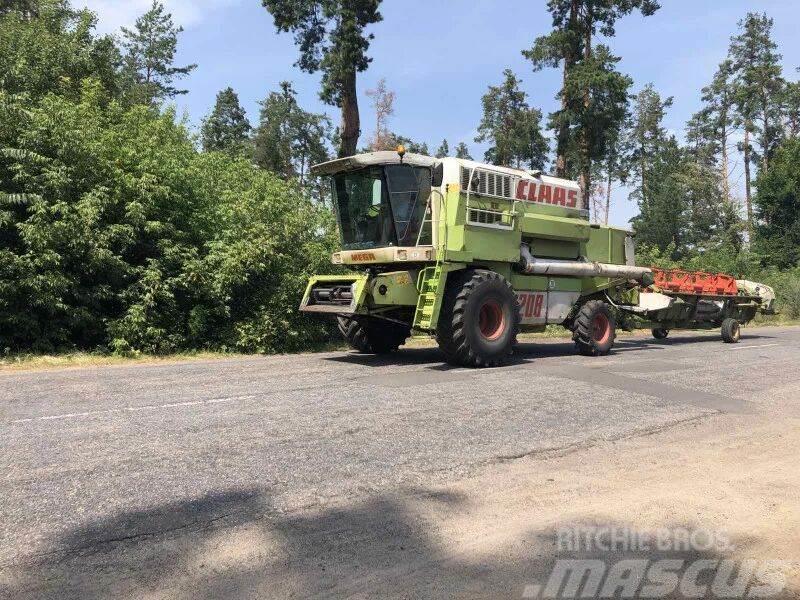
(97, 459)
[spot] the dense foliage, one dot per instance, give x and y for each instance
(116, 232)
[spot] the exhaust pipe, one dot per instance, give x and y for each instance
(577, 268)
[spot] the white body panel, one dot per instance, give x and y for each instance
(543, 308)
(654, 301)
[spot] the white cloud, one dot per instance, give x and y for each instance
(114, 14)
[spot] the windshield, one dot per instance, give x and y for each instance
(382, 206)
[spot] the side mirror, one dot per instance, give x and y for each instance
(437, 175)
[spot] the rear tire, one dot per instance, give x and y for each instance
(373, 336)
(479, 320)
(595, 329)
(660, 333)
(731, 331)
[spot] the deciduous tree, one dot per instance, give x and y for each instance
(383, 102)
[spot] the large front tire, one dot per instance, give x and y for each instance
(373, 336)
(479, 320)
(595, 329)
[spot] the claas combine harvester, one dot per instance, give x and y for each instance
(473, 254)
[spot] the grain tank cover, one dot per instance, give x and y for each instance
(515, 184)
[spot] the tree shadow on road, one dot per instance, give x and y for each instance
(233, 545)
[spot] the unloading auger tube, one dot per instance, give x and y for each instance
(575, 268)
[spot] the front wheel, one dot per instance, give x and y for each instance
(479, 321)
(373, 336)
(595, 329)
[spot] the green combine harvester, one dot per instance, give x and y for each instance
(473, 254)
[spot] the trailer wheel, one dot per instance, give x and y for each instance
(660, 333)
(731, 331)
(479, 320)
(373, 336)
(594, 329)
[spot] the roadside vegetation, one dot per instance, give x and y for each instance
(126, 233)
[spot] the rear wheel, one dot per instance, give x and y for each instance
(731, 331)
(479, 320)
(660, 333)
(594, 329)
(373, 336)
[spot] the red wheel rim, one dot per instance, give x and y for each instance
(601, 328)
(491, 320)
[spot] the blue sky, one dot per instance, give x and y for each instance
(439, 56)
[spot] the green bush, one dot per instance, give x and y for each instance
(790, 298)
(115, 231)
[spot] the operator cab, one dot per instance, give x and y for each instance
(382, 201)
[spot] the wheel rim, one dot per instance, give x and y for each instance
(491, 320)
(601, 328)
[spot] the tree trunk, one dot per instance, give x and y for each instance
(608, 195)
(586, 160)
(562, 137)
(351, 123)
(726, 184)
(765, 143)
(748, 199)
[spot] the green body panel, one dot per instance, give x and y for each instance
(552, 232)
(401, 289)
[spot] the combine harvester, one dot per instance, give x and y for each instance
(473, 254)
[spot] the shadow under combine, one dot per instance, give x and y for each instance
(528, 351)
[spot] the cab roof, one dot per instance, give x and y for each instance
(359, 161)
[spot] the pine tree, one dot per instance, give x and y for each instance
(410, 145)
(758, 93)
(711, 128)
(226, 128)
(288, 139)
(149, 54)
(511, 126)
(791, 109)
(599, 114)
(462, 151)
(663, 219)
(615, 165)
(575, 22)
(777, 203)
(647, 137)
(332, 39)
(444, 150)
